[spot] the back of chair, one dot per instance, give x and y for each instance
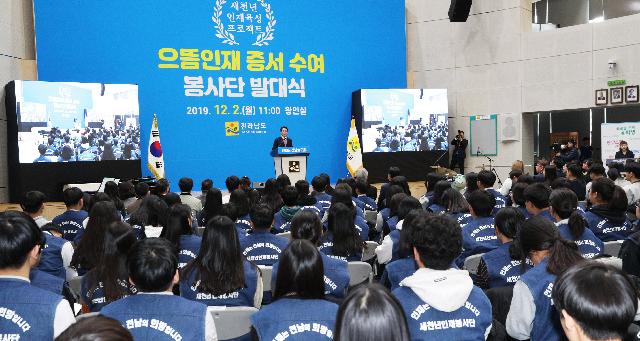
(266, 277)
(232, 322)
(612, 248)
(285, 235)
(472, 262)
(369, 250)
(370, 217)
(75, 284)
(359, 272)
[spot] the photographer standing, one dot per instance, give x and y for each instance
(569, 153)
(459, 151)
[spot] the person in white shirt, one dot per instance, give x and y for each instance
(186, 185)
(633, 176)
(517, 169)
(596, 171)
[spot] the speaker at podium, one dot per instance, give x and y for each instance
(291, 161)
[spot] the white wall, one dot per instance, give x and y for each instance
(493, 63)
(17, 55)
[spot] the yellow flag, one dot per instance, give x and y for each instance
(354, 152)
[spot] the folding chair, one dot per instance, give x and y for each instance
(232, 322)
(472, 262)
(359, 272)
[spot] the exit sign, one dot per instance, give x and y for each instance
(617, 82)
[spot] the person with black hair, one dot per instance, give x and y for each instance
(261, 246)
(127, 193)
(342, 240)
(569, 153)
(607, 215)
(536, 197)
(532, 315)
(342, 194)
(71, 220)
(307, 225)
(633, 176)
(435, 205)
(240, 200)
(282, 181)
(319, 185)
(385, 213)
(179, 232)
(614, 174)
(486, 180)
(186, 185)
(109, 280)
(245, 183)
(232, 183)
(153, 268)
(571, 225)
(518, 199)
(32, 203)
(371, 313)
(550, 174)
(456, 206)
(575, 181)
(28, 312)
(388, 250)
(212, 206)
(142, 191)
(586, 150)
(111, 189)
(393, 220)
(403, 264)
(596, 171)
(299, 297)
(624, 152)
(471, 181)
(283, 140)
(90, 248)
(392, 173)
(589, 313)
(514, 174)
(368, 203)
(437, 293)
(479, 233)
(305, 200)
(172, 199)
(95, 328)
(205, 186)
(459, 153)
(220, 275)
(430, 184)
(162, 187)
(282, 219)
(503, 266)
(150, 218)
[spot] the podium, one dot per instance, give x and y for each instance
(291, 161)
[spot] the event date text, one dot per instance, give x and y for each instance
(247, 110)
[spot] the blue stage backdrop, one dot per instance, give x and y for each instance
(223, 75)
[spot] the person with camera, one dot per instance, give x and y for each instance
(569, 153)
(459, 151)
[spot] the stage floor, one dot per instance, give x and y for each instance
(52, 209)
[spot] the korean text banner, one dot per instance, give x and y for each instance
(223, 76)
(613, 133)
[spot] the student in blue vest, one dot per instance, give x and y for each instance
(479, 233)
(33, 204)
(299, 310)
(71, 220)
(571, 224)
(150, 218)
(351, 182)
(517, 198)
(607, 215)
(457, 207)
(388, 250)
(587, 312)
(241, 201)
(385, 213)
(319, 186)
(26, 312)
(178, 231)
(109, 280)
(536, 198)
(220, 275)
(382, 197)
(371, 313)
(306, 225)
(436, 205)
(471, 180)
(305, 200)
(392, 222)
(342, 194)
(369, 204)
(441, 302)
(503, 266)
(532, 315)
(212, 206)
(403, 264)
(261, 246)
(486, 180)
(90, 249)
(342, 240)
(57, 253)
(282, 219)
(429, 184)
(95, 328)
(154, 313)
(230, 211)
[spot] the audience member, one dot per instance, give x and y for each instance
(127, 193)
(435, 205)
(479, 234)
(179, 232)
(319, 186)
(205, 186)
(518, 199)
(486, 180)
(71, 220)
(392, 173)
(282, 219)
(150, 218)
(232, 183)
(90, 247)
(362, 188)
(212, 206)
(142, 191)
(596, 171)
(540, 168)
(261, 246)
(536, 198)
(517, 169)
(617, 178)
(95, 328)
(403, 264)
(607, 215)
(385, 213)
(429, 185)
(575, 181)
(186, 185)
(550, 174)
(633, 176)
(240, 201)
(342, 240)
(456, 206)
(172, 199)
(112, 190)
(33, 204)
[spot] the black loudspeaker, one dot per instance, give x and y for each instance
(459, 10)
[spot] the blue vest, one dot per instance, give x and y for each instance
(244, 222)
(189, 248)
(263, 248)
(469, 322)
(478, 236)
(243, 297)
(606, 230)
(71, 224)
(524, 212)
(359, 203)
(336, 276)
(546, 322)
(51, 257)
(46, 281)
(461, 218)
(94, 297)
(26, 312)
(159, 317)
(582, 208)
(392, 222)
(369, 203)
(588, 244)
(280, 224)
(294, 319)
(362, 227)
(398, 270)
(501, 200)
(436, 209)
(395, 246)
(503, 271)
(326, 247)
(315, 208)
(547, 215)
(324, 200)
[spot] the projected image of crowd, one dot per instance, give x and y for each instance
(411, 138)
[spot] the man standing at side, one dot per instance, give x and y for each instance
(459, 151)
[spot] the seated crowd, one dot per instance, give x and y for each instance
(464, 262)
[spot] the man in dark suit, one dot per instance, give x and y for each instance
(459, 151)
(393, 172)
(283, 140)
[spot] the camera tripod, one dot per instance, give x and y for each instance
(491, 168)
